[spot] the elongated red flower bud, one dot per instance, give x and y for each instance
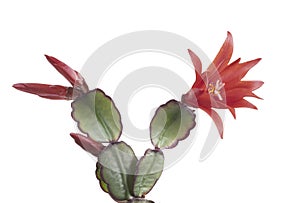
(87, 144)
(55, 92)
(75, 78)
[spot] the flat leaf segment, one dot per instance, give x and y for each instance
(171, 123)
(97, 116)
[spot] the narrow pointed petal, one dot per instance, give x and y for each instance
(71, 75)
(198, 69)
(243, 104)
(227, 75)
(251, 85)
(236, 71)
(236, 94)
(232, 111)
(224, 105)
(223, 57)
(196, 61)
(88, 144)
(216, 118)
(55, 92)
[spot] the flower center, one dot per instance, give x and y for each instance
(215, 89)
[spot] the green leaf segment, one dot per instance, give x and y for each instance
(171, 123)
(97, 116)
(148, 171)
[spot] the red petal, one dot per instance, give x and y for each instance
(228, 75)
(216, 118)
(251, 85)
(224, 55)
(236, 71)
(238, 93)
(243, 104)
(232, 111)
(198, 68)
(71, 75)
(87, 144)
(56, 92)
(223, 105)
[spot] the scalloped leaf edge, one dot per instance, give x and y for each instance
(108, 185)
(114, 105)
(188, 131)
(137, 169)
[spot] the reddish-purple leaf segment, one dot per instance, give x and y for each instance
(88, 144)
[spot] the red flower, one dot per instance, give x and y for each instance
(56, 91)
(220, 86)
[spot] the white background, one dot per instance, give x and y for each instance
(256, 162)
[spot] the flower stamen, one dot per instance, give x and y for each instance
(215, 89)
